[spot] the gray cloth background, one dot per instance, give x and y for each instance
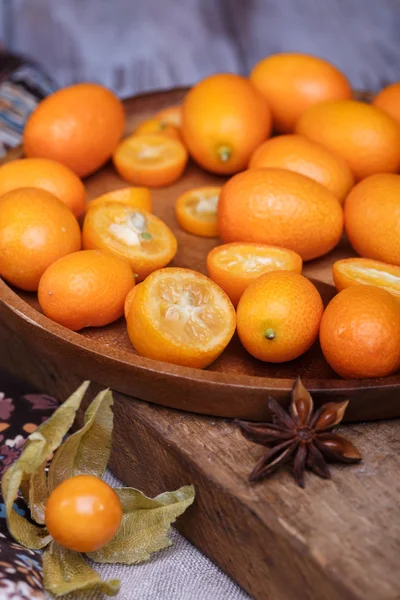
(137, 45)
(177, 573)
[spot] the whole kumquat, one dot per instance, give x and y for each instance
(297, 153)
(278, 316)
(372, 218)
(181, 317)
(360, 332)
(367, 138)
(150, 159)
(83, 513)
(235, 266)
(79, 126)
(85, 289)
(224, 119)
(280, 208)
(196, 211)
(135, 235)
(45, 174)
(291, 82)
(36, 229)
(388, 100)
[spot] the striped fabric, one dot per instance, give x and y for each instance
(22, 86)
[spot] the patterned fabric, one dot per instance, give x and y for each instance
(22, 86)
(20, 415)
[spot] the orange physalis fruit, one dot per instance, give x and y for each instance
(83, 513)
(196, 210)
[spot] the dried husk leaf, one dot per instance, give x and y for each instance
(65, 571)
(38, 494)
(39, 445)
(145, 525)
(88, 450)
(24, 532)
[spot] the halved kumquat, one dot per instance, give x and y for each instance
(150, 159)
(365, 271)
(171, 115)
(158, 126)
(235, 266)
(181, 317)
(135, 197)
(196, 211)
(135, 235)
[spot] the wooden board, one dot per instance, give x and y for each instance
(335, 540)
(236, 385)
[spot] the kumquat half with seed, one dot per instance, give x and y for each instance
(135, 235)
(196, 211)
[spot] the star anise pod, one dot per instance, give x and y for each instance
(300, 436)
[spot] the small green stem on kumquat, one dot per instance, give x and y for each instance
(269, 333)
(224, 153)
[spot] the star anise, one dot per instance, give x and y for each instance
(300, 435)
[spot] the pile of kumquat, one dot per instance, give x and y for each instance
(306, 162)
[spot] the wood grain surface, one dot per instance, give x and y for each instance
(335, 540)
(236, 385)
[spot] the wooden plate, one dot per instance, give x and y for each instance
(236, 385)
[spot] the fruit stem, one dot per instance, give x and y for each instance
(269, 333)
(224, 153)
